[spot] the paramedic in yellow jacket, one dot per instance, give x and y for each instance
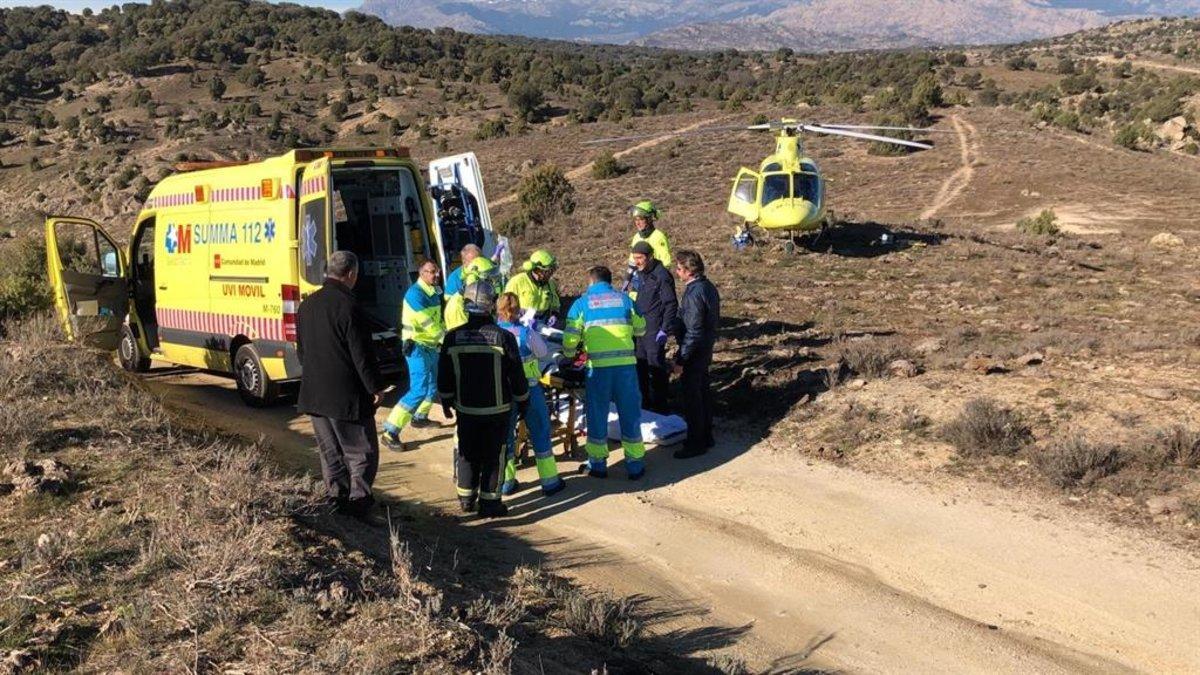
(535, 287)
(421, 333)
(645, 216)
(605, 323)
(479, 269)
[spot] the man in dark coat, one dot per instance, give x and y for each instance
(340, 386)
(656, 303)
(696, 333)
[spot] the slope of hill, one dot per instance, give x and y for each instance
(798, 24)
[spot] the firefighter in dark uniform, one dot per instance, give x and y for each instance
(481, 376)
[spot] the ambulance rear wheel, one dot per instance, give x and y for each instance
(256, 389)
(130, 353)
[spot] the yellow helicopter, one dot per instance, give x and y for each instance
(787, 193)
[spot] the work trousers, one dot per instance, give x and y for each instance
(604, 386)
(349, 456)
(698, 403)
(422, 388)
(537, 425)
(481, 451)
(652, 383)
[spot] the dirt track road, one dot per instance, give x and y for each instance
(791, 556)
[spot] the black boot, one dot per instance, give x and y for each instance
(687, 453)
(492, 508)
(468, 504)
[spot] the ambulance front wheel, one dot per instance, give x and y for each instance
(130, 354)
(256, 389)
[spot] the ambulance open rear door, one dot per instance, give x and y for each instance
(460, 204)
(312, 228)
(87, 274)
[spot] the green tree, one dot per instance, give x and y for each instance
(216, 87)
(544, 194)
(526, 100)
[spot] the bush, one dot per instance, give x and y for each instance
(526, 100)
(1069, 120)
(871, 357)
(607, 166)
(1044, 223)
(984, 429)
(1131, 136)
(1176, 446)
(24, 289)
(1075, 460)
(544, 194)
(497, 128)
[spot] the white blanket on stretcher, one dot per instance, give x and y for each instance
(656, 429)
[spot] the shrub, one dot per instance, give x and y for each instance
(1069, 120)
(872, 358)
(984, 429)
(337, 110)
(1075, 460)
(1131, 136)
(544, 194)
(1175, 446)
(24, 289)
(1044, 223)
(607, 166)
(526, 100)
(496, 128)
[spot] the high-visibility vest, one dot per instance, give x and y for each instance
(421, 315)
(605, 322)
(658, 241)
(535, 296)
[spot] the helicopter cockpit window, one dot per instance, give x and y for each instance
(773, 166)
(807, 186)
(775, 187)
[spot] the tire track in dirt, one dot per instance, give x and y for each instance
(958, 181)
(1140, 63)
(582, 170)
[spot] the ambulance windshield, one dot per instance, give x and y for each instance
(378, 214)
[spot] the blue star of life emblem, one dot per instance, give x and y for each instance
(269, 230)
(310, 240)
(171, 242)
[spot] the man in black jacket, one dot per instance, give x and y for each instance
(340, 386)
(696, 333)
(657, 304)
(481, 376)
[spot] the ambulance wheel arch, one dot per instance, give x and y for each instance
(254, 384)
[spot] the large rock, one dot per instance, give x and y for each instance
(903, 368)
(1174, 129)
(1166, 240)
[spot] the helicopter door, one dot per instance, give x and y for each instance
(743, 201)
(460, 203)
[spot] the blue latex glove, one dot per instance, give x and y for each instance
(660, 338)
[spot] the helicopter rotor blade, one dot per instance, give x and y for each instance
(643, 137)
(867, 127)
(866, 137)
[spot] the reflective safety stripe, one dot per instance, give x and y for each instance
(465, 492)
(606, 322)
(495, 410)
(571, 330)
(533, 369)
(611, 354)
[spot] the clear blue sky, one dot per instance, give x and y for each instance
(77, 5)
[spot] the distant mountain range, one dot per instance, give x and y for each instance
(805, 25)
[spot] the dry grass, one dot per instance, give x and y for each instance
(1074, 460)
(872, 357)
(177, 550)
(984, 428)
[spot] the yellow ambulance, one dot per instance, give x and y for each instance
(222, 255)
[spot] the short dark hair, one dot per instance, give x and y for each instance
(690, 261)
(341, 264)
(600, 273)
